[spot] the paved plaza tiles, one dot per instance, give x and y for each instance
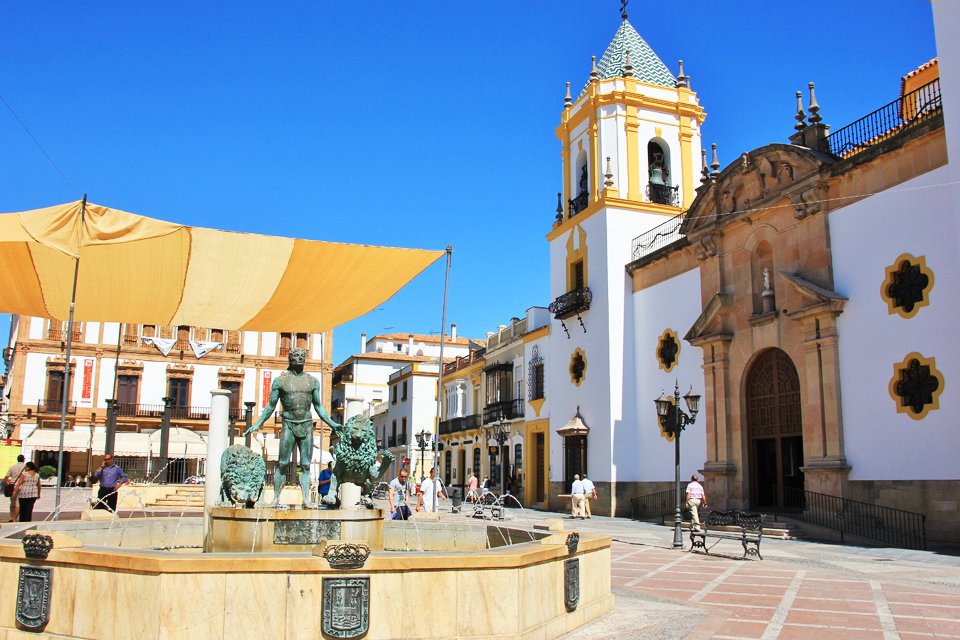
(801, 589)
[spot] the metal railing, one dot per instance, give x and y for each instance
(55, 406)
(662, 194)
(464, 361)
(896, 527)
(133, 410)
(190, 413)
(654, 506)
(655, 239)
(504, 410)
(462, 423)
(887, 121)
(579, 203)
(570, 303)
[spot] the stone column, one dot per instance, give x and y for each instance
(111, 427)
(165, 439)
(216, 445)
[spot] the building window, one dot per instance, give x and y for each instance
(907, 285)
(233, 341)
(476, 462)
(517, 460)
(576, 275)
(179, 390)
(403, 396)
(302, 340)
(578, 367)
(393, 394)
(149, 331)
(286, 339)
(393, 438)
(236, 406)
(916, 386)
(127, 390)
(130, 336)
(54, 401)
(668, 350)
(183, 337)
(403, 430)
(535, 386)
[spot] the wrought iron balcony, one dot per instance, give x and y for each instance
(579, 203)
(660, 236)
(190, 413)
(134, 410)
(503, 410)
(55, 406)
(662, 194)
(571, 303)
(462, 423)
(887, 121)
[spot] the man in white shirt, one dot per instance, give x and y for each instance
(578, 496)
(589, 493)
(696, 496)
(431, 490)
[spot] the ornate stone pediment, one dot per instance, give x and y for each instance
(756, 180)
(819, 298)
(709, 324)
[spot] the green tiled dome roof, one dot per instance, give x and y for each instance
(647, 66)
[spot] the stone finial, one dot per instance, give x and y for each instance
(608, 175)
(801, 116)
(567, 100)
(627, 66)
(814, 107)
(594, 74)
(704, 171)
(682, 79)
(715, 162)
(560, 203)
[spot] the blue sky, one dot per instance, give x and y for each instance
(403, 124)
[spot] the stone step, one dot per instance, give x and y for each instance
(174, 502)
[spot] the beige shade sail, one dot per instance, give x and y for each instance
(141, 270)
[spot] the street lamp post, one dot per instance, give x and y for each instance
(674, 420)
(500, 431)
(423, 438)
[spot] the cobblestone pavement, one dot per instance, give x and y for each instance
(800, 589)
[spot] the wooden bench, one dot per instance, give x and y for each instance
(749, 535)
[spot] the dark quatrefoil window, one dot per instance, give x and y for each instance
(578, 367)
(907, 285)
(916, 386)
(668, 350)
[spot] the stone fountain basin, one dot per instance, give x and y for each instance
(480, 582)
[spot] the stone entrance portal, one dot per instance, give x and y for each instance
(774, 430)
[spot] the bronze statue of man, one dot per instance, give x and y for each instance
(296, 391)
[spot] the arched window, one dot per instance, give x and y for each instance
(658, 174)
(582, 187)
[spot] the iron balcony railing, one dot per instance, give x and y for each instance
(887, 121)
(55, 406)
(462, 423)
(571, 303)
(579, 203)
(654, 506)
(503, 410)
(190, 413)
(655, 239)
(134, 410)
(662, 194)
(895, 527)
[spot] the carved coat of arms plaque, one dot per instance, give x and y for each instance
(33, 597)
(571, 583)
(346, 607)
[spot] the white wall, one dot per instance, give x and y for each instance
(866, 237)
(643, 454)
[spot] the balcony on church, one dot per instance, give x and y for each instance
(663, 194)
(571, 303)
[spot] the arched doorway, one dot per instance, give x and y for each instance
(774, 431)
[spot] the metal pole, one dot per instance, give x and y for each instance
(502, 438)
(248, 416)
(677, 530)
(66, 369)
(443, 327)
(110, 428)
(164, 459)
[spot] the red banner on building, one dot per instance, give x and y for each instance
(267, 383)
(87, 378)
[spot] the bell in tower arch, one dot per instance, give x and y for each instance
(658, 172)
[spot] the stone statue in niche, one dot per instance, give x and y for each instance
(784, 173)
(727, 202)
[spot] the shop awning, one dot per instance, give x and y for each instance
(142, 270)
(49, 440)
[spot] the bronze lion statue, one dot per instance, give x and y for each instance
(355, 457)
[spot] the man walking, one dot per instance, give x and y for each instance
(696, 497)
(431, 490)
(111, 478)
(13, 473)
(397, 493)
(589, 493)
(578, 496)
